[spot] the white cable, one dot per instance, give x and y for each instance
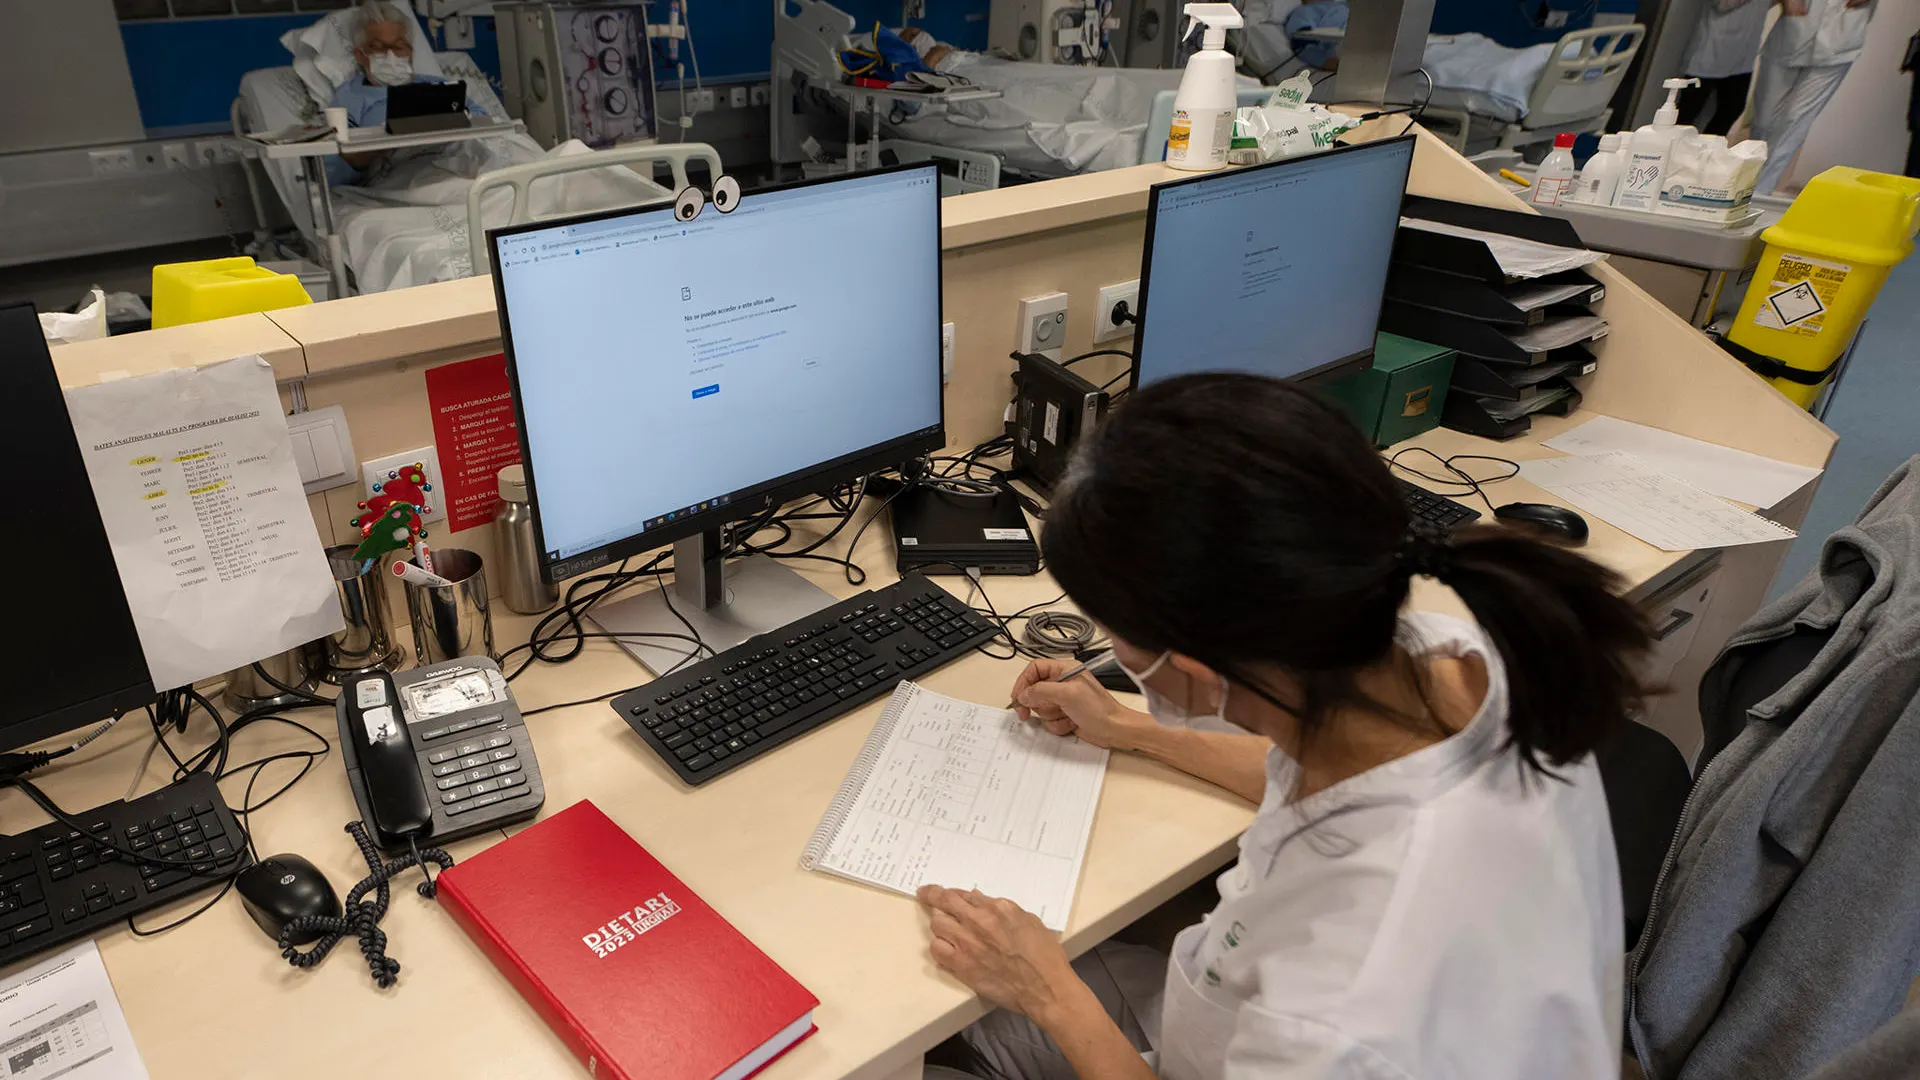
(686, 28)
(140, 770)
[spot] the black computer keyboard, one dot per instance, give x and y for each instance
(727, 710)
(1434, 509)
(59, 883)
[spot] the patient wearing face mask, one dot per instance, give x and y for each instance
(383, 46)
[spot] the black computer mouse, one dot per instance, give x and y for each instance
(281, 888)
(1554, 519)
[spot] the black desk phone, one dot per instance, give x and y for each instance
(437, 753)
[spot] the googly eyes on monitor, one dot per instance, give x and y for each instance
(726, 194)
(688, 204)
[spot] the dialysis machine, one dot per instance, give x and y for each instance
(578, 71)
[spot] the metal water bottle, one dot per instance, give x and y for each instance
(519, 549)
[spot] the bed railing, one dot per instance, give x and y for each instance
(521, 178)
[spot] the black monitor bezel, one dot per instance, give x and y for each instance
(759, 498)
(20, 326)
(1315, 376)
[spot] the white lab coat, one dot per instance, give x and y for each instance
(1726, 38)
(1441, 915)
(1830, 33)
(1802, 64)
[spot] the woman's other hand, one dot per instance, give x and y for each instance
(999, 951)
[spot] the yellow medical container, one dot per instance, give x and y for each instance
(1825, 262)
(189, 292)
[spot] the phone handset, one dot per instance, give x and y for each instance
(395, 792)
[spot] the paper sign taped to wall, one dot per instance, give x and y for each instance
(211, 533)
(475, 432)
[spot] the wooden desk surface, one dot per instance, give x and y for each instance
(214, 999)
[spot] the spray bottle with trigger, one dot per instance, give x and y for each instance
(1203, 110)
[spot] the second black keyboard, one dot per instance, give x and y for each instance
(1437, 510)
(723, 712)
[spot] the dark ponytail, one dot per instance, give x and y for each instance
(1247, 523)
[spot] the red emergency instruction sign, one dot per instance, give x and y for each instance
(474, 430)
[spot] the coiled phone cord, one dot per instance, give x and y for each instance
(362, 917)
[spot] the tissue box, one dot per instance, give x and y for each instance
(1707, 181)
(1402, 394)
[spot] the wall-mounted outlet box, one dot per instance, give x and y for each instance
(1104, 328)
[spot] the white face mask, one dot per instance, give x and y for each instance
(1171, 715)
(388, 69)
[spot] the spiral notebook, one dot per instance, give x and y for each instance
(947, 792)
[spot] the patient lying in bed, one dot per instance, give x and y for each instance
(384, 51)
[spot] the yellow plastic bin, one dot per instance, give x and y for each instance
(1825, 262)
(190, 292)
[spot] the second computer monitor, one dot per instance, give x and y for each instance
(1276, 269)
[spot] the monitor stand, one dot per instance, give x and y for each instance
(726, 605)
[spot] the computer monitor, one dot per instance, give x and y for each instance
(1275, 269)
(74, 658)
(671, 376)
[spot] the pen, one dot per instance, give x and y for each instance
(426, 557)
(1078, 670)
(1515, 177)
(413, 575)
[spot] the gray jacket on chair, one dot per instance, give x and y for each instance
(1786, 925)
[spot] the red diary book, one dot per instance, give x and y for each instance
(638, 975)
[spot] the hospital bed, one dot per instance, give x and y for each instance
(1484, 96)
(1044, 120)
(418, 221)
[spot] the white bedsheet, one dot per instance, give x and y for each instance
(1487, 78)
(407, 223)
(1050, 119)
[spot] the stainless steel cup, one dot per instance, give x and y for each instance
(451, 621)
(366, 643)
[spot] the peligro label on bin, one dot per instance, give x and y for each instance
(1801, 294)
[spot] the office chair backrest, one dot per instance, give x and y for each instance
(1646, 781)
(1756, 673)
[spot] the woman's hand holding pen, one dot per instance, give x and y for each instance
(1079, 706)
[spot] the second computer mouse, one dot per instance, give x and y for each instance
(1554, 519)
(281, 888)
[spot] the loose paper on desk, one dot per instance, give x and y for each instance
(947, 792)
(1728, 473)
(1519, 258)
(215, 546)
(1663, 510)
(60, 1018)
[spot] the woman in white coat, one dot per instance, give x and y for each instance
(1429, 887)
(1807, 53)
(1721, 54)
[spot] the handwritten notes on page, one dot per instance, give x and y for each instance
(1662, 510)
(951, 793)
(211, 534)
(1721, 470)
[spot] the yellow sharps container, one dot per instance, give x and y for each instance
(1825, 261)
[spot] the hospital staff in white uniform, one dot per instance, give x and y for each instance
(1721, 54)
(1429, 887)
(1807, 53)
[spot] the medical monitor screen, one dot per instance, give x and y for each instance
(1275, 270)
(673, 375)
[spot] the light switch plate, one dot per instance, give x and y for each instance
(946, 352)
(375, 471)
(323, 448)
